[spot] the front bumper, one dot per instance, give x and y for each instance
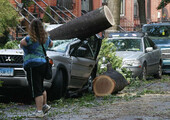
(14, 81)
(136, 70)
(166, 66)
(19, 80)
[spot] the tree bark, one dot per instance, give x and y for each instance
(142, 13)
(114, 6)
(84, 26)
(110, 82)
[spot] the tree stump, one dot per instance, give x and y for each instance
(84, 26)
(110, 82)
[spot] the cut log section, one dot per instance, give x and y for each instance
(110, 82)
(84, 26)
(103, 85)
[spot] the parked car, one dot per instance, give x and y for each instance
(74, 66)
(160, 35)
(140, 55)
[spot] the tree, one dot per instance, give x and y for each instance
(114, 6)
(163, 3)
(46, 18)
(142, 14)
(107, 55)
(27, 3)
(8, 19)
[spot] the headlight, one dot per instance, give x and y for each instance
(131, 63)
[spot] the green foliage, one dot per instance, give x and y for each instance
(27, 3)
(147, 91)
(107, 55)
(1, 46)
(11, 45)
(163, 3)
(8, 16)
(1, 82)
(46, 18)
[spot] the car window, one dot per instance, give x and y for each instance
(84, 50)
(127, 44)
(152, 44)
(157, 30)
(94, 45)
(61, 45)
(146, 42)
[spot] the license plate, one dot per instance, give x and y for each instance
(6, 71)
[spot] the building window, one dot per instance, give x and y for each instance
(86, 5)
(122, 8)
(104, 2)
(65, 3)
(135, 8)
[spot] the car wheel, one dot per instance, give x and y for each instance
(57, 86)
(159, 72)
(143, 75)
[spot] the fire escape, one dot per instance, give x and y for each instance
(59, 15)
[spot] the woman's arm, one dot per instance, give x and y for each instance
(51, 44)
(23, 42)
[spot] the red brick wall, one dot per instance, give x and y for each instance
(155, 12)
(77, 8)
(129, 10)
(97, 4)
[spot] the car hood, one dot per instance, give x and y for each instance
(161, 42)
(128, 55)
(11, 52)
(21, 52)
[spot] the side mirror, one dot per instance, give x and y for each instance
(149, 49)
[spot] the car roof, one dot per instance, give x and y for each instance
(49, 27)
(157, 24)
(126, 34)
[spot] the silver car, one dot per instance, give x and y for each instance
(140, 55)
(74, 66)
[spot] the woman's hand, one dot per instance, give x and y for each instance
(51, 44)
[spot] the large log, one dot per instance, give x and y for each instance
(110, 82)
(84, 26)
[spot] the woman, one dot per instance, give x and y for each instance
(34, 64)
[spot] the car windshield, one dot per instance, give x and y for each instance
(127, 44)
(61, 45)
(157, 30)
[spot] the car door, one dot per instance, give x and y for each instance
(156, 55)
(83, 62)
(148, 56)
(152, 58)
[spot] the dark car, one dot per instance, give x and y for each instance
(140, 55)
(74, 65)
(160, 35)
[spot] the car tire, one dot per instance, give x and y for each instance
(143, 74)
(158, 75)
(57, 86)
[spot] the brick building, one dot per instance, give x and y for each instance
(129, 10)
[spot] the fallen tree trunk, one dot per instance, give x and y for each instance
(110, 82)
(84, 26)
